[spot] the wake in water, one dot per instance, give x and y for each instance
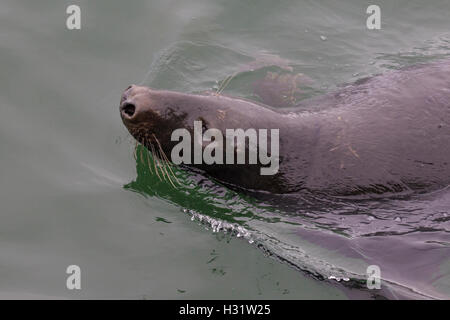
(407, 238)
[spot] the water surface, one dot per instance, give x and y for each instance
(71, 191)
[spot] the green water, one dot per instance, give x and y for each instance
(67, 160)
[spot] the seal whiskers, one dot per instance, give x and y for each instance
(166, 161)
(160, 159)
(160, 166)
(225, 83)
(154, 162)
(135, 150)
(149, 164)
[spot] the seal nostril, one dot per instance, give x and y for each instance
(129, 109)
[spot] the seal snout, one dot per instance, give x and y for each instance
(128, 107)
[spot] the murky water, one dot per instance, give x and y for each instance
(71, 191)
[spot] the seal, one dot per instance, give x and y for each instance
(380, 136)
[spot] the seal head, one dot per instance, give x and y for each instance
(151, 116)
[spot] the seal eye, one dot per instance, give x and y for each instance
(204, 123)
